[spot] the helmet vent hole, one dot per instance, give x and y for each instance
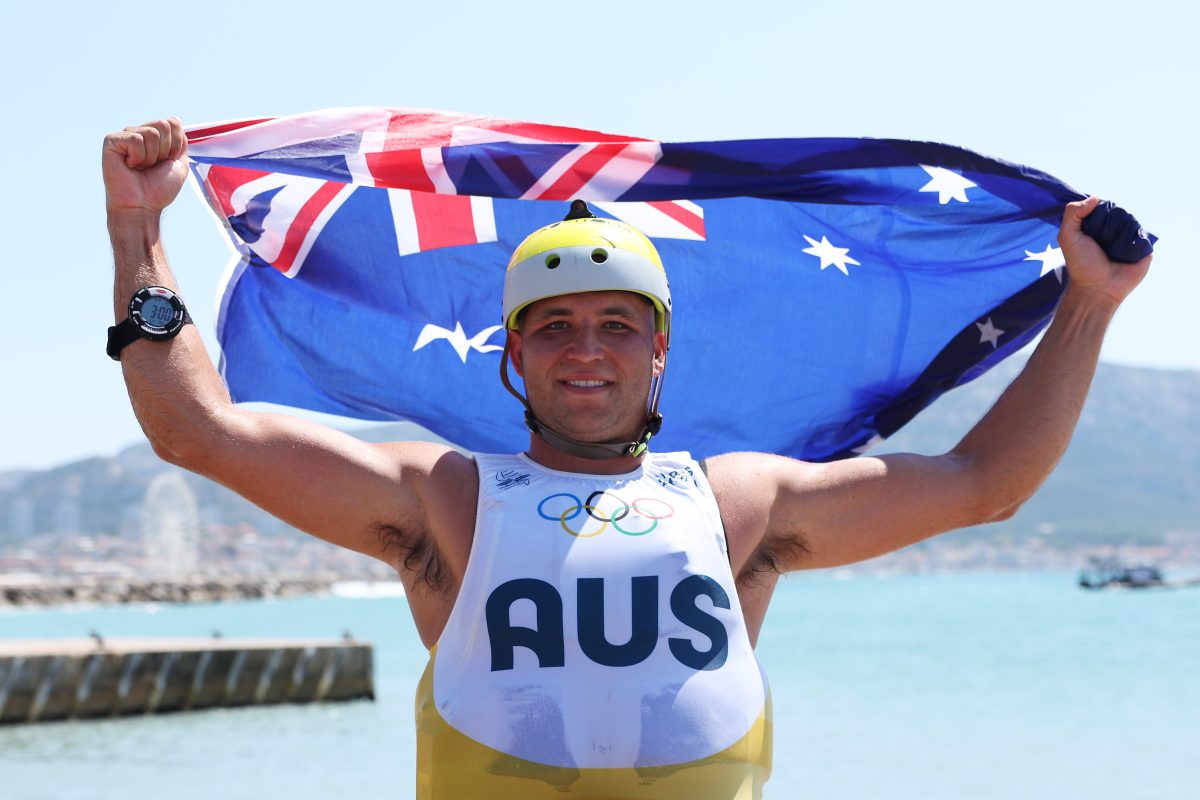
(552, 261)
(599, 255)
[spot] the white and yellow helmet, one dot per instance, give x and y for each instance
(586, 253)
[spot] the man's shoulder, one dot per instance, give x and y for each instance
(440, 468)
(417, 453)
(741, 482)
(746, 466)
(748, 483)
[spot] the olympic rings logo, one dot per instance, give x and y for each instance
(612, 512)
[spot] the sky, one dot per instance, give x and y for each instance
(1100, 94)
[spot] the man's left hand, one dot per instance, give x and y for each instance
(1090, 269)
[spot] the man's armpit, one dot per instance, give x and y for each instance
(414, 554)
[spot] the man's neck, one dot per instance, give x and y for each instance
(552, 458)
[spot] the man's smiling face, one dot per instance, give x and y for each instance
(587, 361)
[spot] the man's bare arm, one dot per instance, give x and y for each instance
(317, 479)
(800, 515)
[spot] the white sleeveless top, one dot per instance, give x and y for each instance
(598, 625)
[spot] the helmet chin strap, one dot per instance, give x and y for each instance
(593, 450)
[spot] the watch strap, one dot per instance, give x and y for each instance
(127, 332)
(120, 335)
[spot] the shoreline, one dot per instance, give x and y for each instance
(58, 592)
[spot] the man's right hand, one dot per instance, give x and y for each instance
(144, 166)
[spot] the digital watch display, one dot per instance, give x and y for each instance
(155, 313)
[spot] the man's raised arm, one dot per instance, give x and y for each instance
(317, 479)
(798, 515)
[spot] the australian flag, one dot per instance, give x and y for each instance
(825, 290)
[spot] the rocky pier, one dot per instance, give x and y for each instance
(87, 678)
(117, 591)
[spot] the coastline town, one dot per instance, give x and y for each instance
(213, 562)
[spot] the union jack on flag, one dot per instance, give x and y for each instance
(826, 290)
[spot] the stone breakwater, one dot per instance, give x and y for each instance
(89, 678)
(119, 591)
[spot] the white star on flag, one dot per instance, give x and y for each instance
(830, 255)
(948, 184)
(989, 332)
(1052, 260)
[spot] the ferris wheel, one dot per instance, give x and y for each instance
(170, 525)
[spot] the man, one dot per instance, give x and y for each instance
(591, 607)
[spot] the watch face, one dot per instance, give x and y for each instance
(157, 312)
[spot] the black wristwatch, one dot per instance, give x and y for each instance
(155, 313)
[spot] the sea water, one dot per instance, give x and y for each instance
(954, 686)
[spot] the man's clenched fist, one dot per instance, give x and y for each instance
(144, 166)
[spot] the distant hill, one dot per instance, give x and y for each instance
(103, 495)
(1132, 472)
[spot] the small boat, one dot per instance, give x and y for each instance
(1108, 573)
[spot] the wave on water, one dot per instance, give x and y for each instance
(366, 589)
